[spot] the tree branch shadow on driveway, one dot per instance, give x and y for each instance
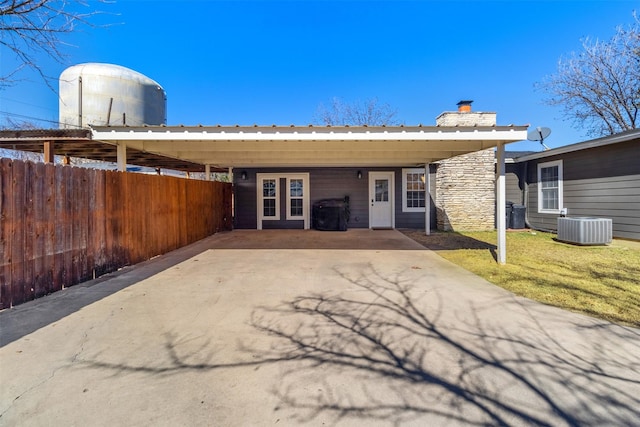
(377, 353)
(386, 349)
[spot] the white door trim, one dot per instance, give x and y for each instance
(390, 175)
(305, 198)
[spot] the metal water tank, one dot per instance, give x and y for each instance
(107, 94)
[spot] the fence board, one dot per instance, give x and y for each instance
(18, 234)
(59, 230)
(75, 226)
(109, 215)
(49, 229)
(7, 229)
(68, 267)
(29, 235)
(98, 224)
(83, 176)
(39, 221)
(90, 257)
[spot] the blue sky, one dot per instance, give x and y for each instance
(265, 62)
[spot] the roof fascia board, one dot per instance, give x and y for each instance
(293, 128)
(599, 142)
(501, 134)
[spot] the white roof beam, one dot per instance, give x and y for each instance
(234, 146)
(501, 134)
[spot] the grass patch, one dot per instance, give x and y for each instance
(600, 281)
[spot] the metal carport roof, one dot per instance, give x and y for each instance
(307, 146)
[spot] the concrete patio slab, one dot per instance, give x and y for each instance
(256, 328)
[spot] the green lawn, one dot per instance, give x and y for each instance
(601, 281)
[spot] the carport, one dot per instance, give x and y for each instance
(233, 147)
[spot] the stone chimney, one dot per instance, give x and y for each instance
(465, 185)
(465, 117)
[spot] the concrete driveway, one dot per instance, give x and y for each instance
(257, 328)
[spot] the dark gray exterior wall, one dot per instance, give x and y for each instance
(327, 183)
(601, 182)
(514, 183)
(338, 183)
(244, 200)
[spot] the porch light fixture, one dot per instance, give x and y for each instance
(359, 174)
(243, 175)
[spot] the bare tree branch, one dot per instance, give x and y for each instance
(599, 87)
(30, 28)
(369, 112)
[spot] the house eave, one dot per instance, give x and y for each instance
(598, 142)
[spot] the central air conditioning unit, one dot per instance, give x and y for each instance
(585, 231)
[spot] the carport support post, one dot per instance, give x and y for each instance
(207, 172)
(121, 154)
(427, 200)
(49, 152)
(501, 210)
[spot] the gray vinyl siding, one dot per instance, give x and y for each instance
(283, 225)
(337, 183)
(513, 184)
(326, 183)
(601, 182)
(244, 200)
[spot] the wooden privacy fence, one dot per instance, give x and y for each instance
(62, 225)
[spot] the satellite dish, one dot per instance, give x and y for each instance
(539, 134)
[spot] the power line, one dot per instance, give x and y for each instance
(22, 116)
(27, 103)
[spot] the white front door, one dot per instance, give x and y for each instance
(381, 209)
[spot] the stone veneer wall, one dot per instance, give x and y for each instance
(465, 192)
(455, 118)
(465, 185)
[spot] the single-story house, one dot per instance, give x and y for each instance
(596, 178)
(393, 176)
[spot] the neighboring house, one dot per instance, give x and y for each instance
(597, 178)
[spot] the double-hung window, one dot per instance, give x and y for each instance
(270, 209)
(295, 201)
(550, 187)
(282, 197)
(413, 190)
